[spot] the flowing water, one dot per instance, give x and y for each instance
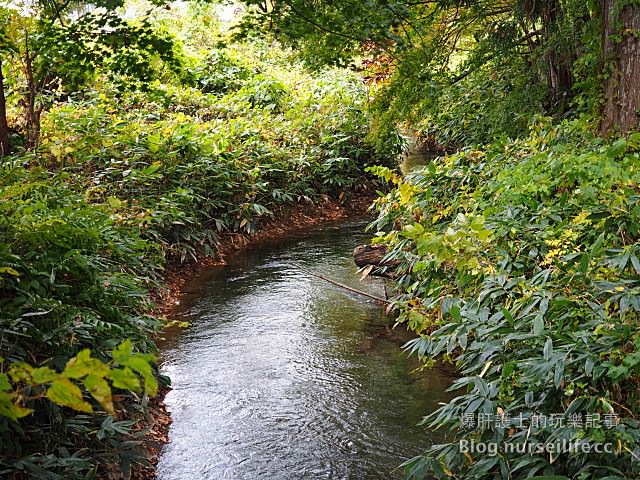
(285, 376)
(413, 160)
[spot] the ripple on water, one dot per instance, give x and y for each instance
(271, 382)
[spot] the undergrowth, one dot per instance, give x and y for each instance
(519, 263)
(122, 183)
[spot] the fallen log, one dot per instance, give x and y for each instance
(373, 255)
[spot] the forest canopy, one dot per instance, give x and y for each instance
(551, 57)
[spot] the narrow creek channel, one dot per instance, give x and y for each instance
(284, 376)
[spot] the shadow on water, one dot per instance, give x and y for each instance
(413, 160)
(284, 376)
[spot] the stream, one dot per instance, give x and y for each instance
(284, 376)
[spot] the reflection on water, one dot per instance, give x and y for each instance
(284, 376)
(417, 159)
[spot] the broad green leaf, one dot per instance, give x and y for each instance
(44, 375)
(547, 351)
(584, 263)
(152, 168)
(139, 362)
(538, 325)
(9, 271)
(114, 202)
(5, 385)
(125, 379)
(142, 366)
(9, 409)
(122, 352)
(618, 148)
(20, 372)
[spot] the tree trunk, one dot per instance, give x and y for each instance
(4, 126)
(621, 52)
(559, 58)
(32, 112)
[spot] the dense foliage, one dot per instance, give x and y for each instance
(139, 170)
(519, 263)
(132, 139)
(455, 72)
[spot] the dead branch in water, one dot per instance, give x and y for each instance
(342, 285)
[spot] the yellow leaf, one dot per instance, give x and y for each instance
(100, 390)
(82, 365)
(406, 191)
(10, 271)
(65, 393)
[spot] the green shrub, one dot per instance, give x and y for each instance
(71, 279)
(220, 73)
(519, 264)
(118, 187)
(496, 100)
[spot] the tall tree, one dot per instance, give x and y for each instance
(55, 50)
(448, 38)
(4, 125)
(621, 54)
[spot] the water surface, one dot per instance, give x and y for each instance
(285, 376)
(413, 160)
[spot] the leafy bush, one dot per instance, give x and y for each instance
(181, 177)
(495, 101)
(519, 263)
(118, 187)
(218, 72)
(263, 92)
(70, 279)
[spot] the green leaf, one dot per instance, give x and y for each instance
(635, 263)
(114, 202)
(152, 168)
(9, 271)
(5, 385)
(618, 148)
(125, 379)
(558, 373)
(9, 409)
(584, 263)
(44, 375)
(65, 393)
(100, 390)
(153, 143)
(20, 372)
(454, 311)
(550, 477)
(142, 366)
(538, 325)
(82, 365)
(122, 352)
(139, 362)
(547, 351)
